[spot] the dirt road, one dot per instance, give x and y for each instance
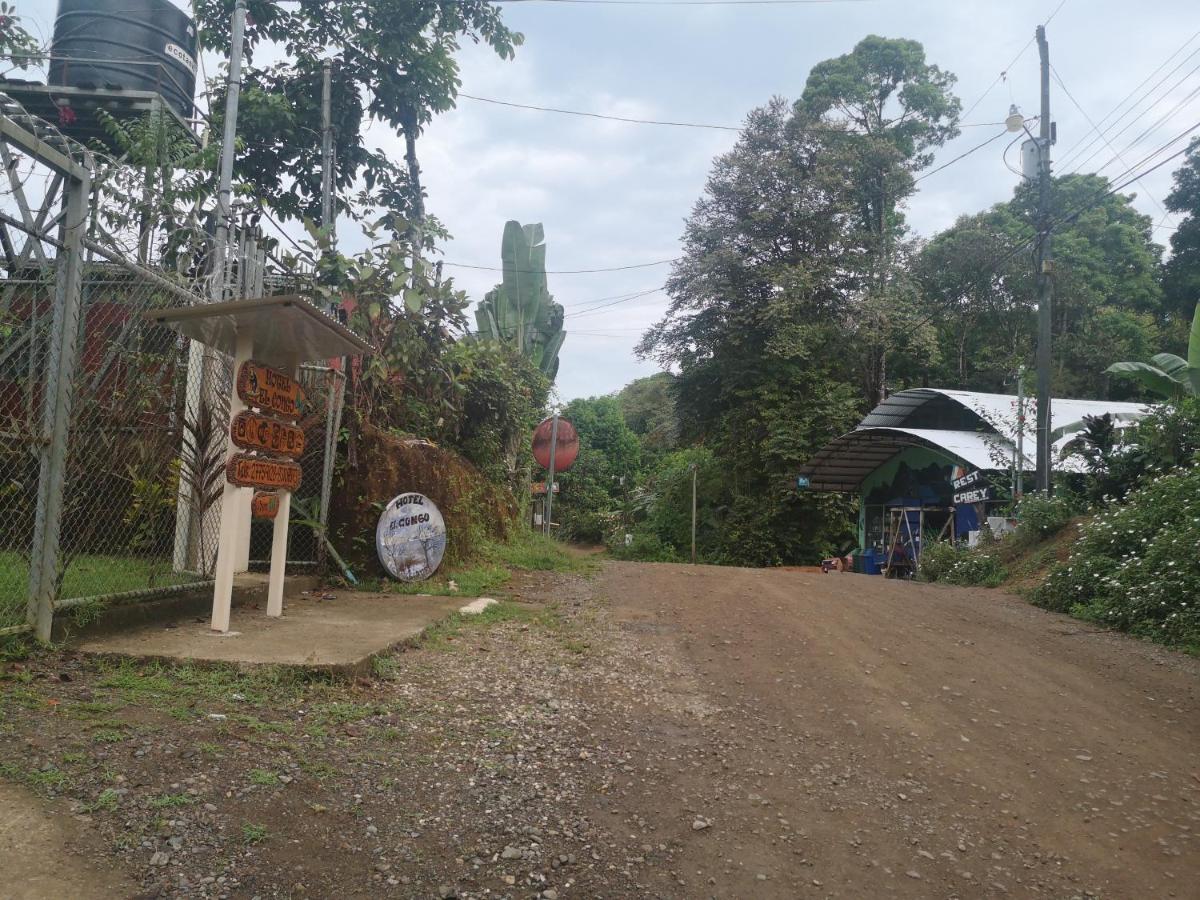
(840, 735)
(649, 731)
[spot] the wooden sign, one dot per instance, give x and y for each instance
(252, 431)
(270, 390)
(265, 505)
(245, 470)
(967, 480)
(975, 495)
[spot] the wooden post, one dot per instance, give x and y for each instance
(231, 501)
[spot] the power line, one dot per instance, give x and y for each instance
(947, 165)
(1153, 128)
(585, 305)
(1070, 150)
(1004, 72)
(1071, 97)
(592, 115)
(646, 265)
(601, 307)
(1070, 158)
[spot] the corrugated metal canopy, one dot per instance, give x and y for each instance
(917, 407)
(977, 429)
(842, 464)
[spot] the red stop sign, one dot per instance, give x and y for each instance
(564, 453)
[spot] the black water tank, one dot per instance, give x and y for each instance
(132, 45)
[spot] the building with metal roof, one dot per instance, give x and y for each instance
(946, 458)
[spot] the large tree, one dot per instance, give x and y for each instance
(1182, 276)
(891, 109)
(978, 286)
(394, 62)
(755, 327)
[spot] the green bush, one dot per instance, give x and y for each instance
(938, 559)
(646, 547)
(1044, 515)
(949, 564)
(1136, 566)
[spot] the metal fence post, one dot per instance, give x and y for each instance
(333, 424)
(56, 411)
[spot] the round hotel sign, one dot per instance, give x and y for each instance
(411, 537)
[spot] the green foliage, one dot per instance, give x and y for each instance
(394, 62)
(645, 547)
(595, 491)
(1135, 566)
(172, 801)
(1181, 276)
(1044, 515)
(520, 310)
(253, 833)
(884, 88)
(161, 178)
(648, 405)
(16, 43)
(151, 509)
(1107, 299)
(482, 399)
(502, 398)
(945, 562)
(1168, 375)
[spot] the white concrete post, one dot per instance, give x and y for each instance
(232, 500)
(279, 537)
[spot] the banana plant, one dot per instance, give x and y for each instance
(1166, 374)
(520, 310)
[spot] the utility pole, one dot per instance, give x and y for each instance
(550, 478)
(328, 220)
(1045, 271)
(1018, 487)
(694, 468)
(233, 92)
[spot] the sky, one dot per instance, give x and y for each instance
(616, 194)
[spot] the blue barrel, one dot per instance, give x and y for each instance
(130, 45)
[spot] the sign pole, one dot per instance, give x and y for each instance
(550, 480)
(227, 549)
(279, 538)
(694, 469)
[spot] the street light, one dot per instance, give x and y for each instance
(1015, 121)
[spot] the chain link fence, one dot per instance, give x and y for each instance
(112, 428)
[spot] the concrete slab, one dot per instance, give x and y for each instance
(340, 635)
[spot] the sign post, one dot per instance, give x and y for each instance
(547, 438)
(268, 338)
(550, 477)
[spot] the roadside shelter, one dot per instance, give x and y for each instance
(930, 463)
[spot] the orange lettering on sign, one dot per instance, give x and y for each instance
(270, 390)
(265, 505)
(252, 431)
(244, 470)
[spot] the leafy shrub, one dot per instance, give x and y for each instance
(960, 565)
(1136, 566)
(1044, 515)
(646, 547)
(938, 559)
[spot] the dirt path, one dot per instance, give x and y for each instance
(651, 731)
(840, 735)
(47, 855)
